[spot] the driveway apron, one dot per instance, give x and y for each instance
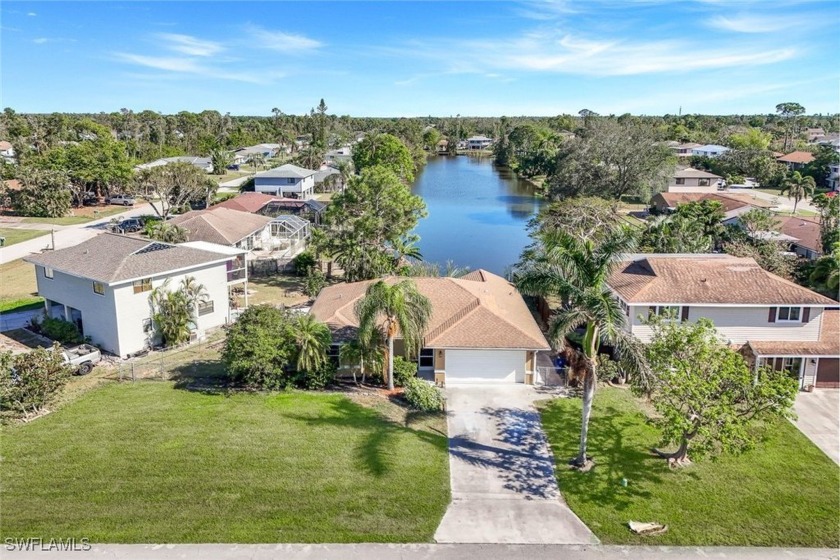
(502, 473)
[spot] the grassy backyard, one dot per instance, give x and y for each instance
(785, 492)
(149, 462)
(18, 287)
(17, 235)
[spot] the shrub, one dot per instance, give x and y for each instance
(30, 382)
(318, 379)
(423, 395)
(59, 330)
(303, 263)
(314, 283)
(260, 349)
(403, 371)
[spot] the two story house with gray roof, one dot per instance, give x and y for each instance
(286, 181)
(103, 286)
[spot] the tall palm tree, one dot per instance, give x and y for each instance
(398, 309)
(798, 186)
(257, 160)
(313, 340)
(576, 270)
(220, 159)
(405, 248)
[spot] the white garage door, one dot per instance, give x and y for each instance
(485, 366)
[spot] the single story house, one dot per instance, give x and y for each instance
(272, 206)
(103, 286)
(244, 155)
(344, 153)
(709, 150)
(763, 314)
(683, 150)
(286, 181)
(733, 204)
(328, 177)
(224, 226)
(808, 242)
(691, 180)
(203, 163)
(480, 331)
(796, 160)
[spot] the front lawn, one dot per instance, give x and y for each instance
(18, 288)
(148, 462)
(18, 235)
(785, 492)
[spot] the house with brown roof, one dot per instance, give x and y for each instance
(796, 160)
(273, 206)
(734, 204)
(691, 180)
(765, 315)
(480, 330)
(806, 234)
(103, 286)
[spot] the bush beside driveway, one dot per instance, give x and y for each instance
(785, 492)
(147, 462)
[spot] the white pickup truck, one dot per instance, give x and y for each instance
(82, 358)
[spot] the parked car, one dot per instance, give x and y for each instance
(90, 199)
(129, 225)
(82, 358)
(233, 167)
(123, 199)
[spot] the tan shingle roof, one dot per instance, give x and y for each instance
(806, 231)
(112, 258)
(797, 157)
(827, 345)
(706, 279)
(691, 173)
(220, 225)
(480, 310)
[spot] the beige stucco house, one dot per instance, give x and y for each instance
(480, 332)
(691, 180)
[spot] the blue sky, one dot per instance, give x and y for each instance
(422, 58)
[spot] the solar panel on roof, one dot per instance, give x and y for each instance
(151, 247)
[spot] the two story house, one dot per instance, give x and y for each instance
(771, 320)
(691, 180)
(286, 181)
(103, 286)
(796, 160)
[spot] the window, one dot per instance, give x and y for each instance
(48, 272)
(680, 181)
(703, 182)
(205, 308)
(624, 307)
(789, 315)
(144, 285)
(99, 288)
(667, 312)
(291, 181)
(427, 357)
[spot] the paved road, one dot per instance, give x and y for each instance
(502, 474)
(425, 552)
(819, 419)
(785, 203)
(67, 236)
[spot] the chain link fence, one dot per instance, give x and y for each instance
(201, 359)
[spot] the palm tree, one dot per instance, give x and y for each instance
(313, 339)
(220, 159)
(576, 270)
(399, 309)
(363, 352)
(798, 186)
(345, 171)
(257, 160)
(174, 312)
(405, 248)
(169, 233)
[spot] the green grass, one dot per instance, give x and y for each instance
(17, 286)
(15, 235)
(782, 493)
(148, 462)
(104, 212)
(23, 304)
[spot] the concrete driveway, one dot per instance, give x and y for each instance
(502, 473)
(819, 419)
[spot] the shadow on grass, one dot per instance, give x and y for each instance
(376, 450)
(618, 457)
(202, 376)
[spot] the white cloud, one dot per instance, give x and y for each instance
(41, 40)
(751, 23)
(173, 64)
(280, 41)
(191, 66)
(187, 44)
(31, 14)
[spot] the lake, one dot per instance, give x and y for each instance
(478, 213)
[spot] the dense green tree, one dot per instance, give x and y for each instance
(43, 193)
(610, 160)
(31, 381)
(789, 111)
(758, 220)
(396, 309)
(385, 150)
(707, 397)
(824, 276)
(824, 156)
(751, 139)
(374, 211)
(582, 217)
(675, 234)
(829, 207)
(168, 233)
(172, 186)
(260, 348)
(575, 271)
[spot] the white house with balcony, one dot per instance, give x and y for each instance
(289, 181)
(103, 287)
(773, 321)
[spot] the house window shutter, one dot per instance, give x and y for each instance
(806, 314)
(772, 318)
(684, 316)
